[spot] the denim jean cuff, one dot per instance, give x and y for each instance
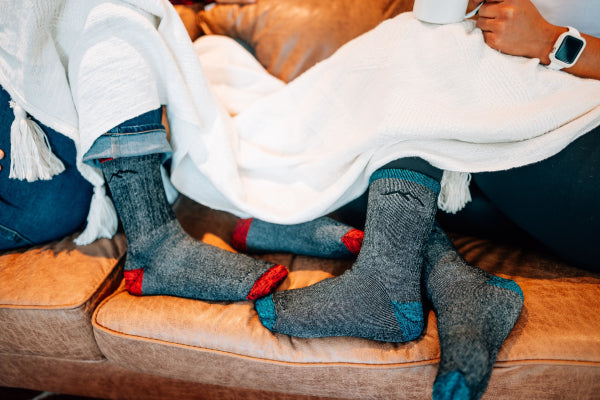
(139, 136)
(112, 145)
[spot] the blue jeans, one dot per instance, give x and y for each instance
(554, 201)
(41, 211)
(142, 135)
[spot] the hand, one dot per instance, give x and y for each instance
(516, 27)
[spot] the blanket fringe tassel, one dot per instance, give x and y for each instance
(102, 221)
(455, 193)
(31, 157)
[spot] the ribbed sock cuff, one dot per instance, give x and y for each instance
(407, 175)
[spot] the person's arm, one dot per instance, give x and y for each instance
(516, 27)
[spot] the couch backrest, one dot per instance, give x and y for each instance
(289, 36)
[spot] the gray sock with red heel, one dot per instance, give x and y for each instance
(162, 259)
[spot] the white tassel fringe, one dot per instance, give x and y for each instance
(31, 158)
(102, 219)
(455, 193)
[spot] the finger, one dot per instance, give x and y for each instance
(488, 38)
(489, 10)
(486, 23)
(473, 4)
(493, 40)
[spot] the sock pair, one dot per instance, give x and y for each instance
(162, 259)
(475, 310)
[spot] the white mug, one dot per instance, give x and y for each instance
(443, 11)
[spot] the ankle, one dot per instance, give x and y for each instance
(162, 235)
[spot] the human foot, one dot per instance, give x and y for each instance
(475, 313)
(162, 259)
(379, 297)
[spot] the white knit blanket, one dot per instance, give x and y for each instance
(297, 151)
(403, 89)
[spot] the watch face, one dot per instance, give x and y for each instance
(569, 49)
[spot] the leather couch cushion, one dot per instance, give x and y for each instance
(289, 36)
(105, 380)
(48, 294)
(556, 336)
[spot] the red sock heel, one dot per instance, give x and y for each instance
(240, 234)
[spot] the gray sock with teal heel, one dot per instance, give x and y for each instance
(475, 313)
(380, 296)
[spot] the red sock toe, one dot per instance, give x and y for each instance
(268, 282)
(353, 240)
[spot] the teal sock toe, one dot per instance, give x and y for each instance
(451, 386)
(506, 284)
(266, 311)
(410, 319)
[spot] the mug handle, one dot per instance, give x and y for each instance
(475, 11)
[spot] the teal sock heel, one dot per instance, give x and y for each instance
(410, 319)
(266, 311)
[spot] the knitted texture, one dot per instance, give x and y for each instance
(162, 259)
(379, 297)
(475, 313)
(371, 105)
(267, 282)
(323, 237)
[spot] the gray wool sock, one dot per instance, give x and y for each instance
(379, 297)
(162, 259)
(322, 237)
(475, 313)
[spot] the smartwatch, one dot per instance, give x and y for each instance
(567, 49)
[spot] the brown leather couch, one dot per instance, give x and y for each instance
(68, 325)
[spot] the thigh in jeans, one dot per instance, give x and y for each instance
(556, 200)
(36, 212)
